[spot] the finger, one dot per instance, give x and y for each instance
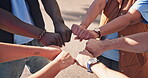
(84, 35)
(81, 52)
(52, 42)
(62, 41)
(68, 37)
(74, 29)
(81, 40)
(58, 42)
(91, 36)
(73, 61)
(77, 62)
(62, 38)
(76, 38)
(88, 36)
(80, 34)
(86, 47)
(78, 31)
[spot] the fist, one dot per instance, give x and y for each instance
(83, 33)
(52, 39)
(95, 47)
(64, 31)
(65, 60)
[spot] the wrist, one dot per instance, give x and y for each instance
(114, 43)
(84, 26)
(97, 30)
(43, 40)
(59, 23)
(108, 44)
(41, 35)
(58, 62)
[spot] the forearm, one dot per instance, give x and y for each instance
(52, 9)
(133, 43)
(94, 10)
(10, 23)
(103, 72)
(49, 71)
(11, 52)
(132, 17)
(115, 25)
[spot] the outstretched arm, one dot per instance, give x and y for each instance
(99, 69)
(52, 9)
(62, 61)
(11, 52)
(103, 72)
(10, 23)
(133, 43)
(132, 17)
(94, 10)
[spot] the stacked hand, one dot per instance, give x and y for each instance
(83, 33)
(93, 48)
(52, 39)
(64, 31)
(96, 47)
(62, 34)
(64, 59)
(83, 57)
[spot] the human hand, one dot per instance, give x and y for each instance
(64, 59)
(83, 57)
(76, 29)
(83, 33)
(52, 39)
(95, 47)
(64, 31)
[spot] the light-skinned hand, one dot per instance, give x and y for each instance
(83, 33)
(83, 57)
(64, 59)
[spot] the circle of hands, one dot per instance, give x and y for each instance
(93, 47)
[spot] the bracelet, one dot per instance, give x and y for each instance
(97, 30)
(41, 35)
